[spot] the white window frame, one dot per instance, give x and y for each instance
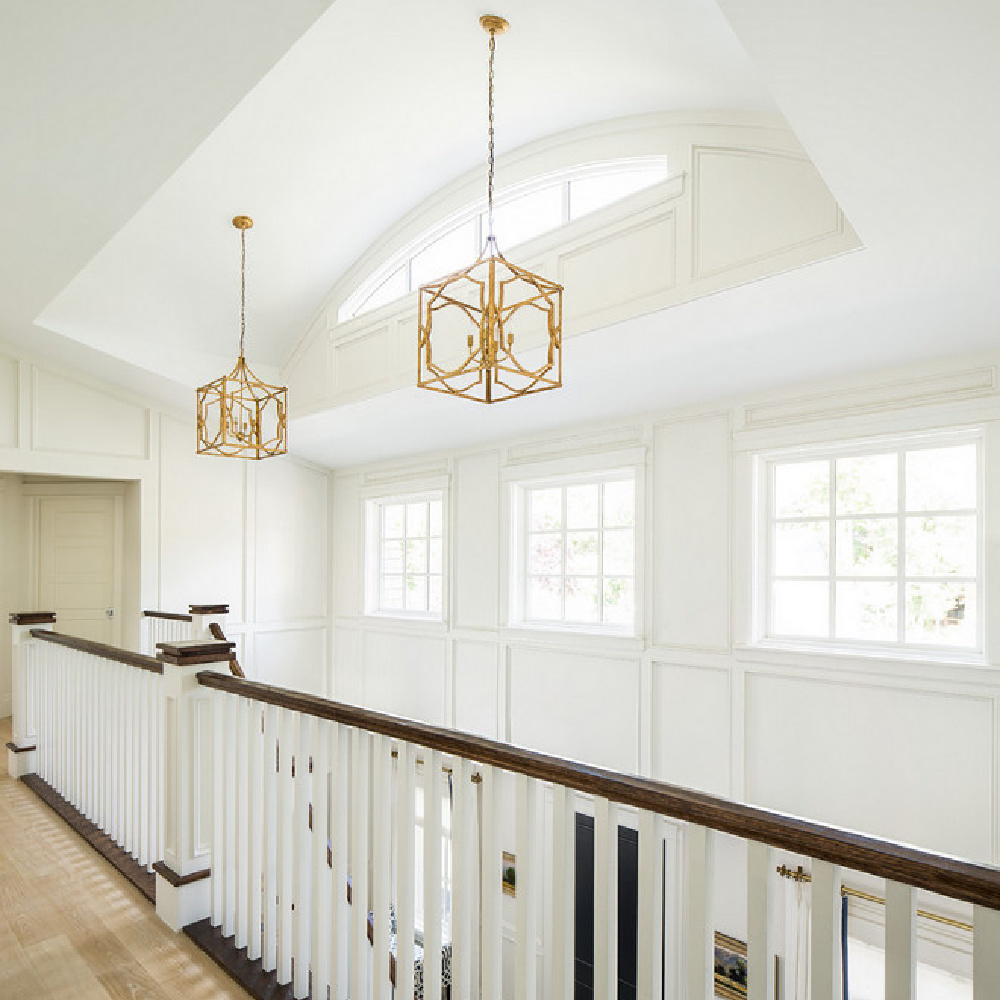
(764, 542)
(373, 507)
(518, 554)
(354, 303)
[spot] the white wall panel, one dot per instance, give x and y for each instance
(293, 658)
(308, 375)
(690, 564)
(72, 417)
(475, 545)
(692, 726)
(348, 667)
(348, 535)
(292, 549)
(585, 707)
(405, 674)
(898, 762)
(8, 401)
(201, 524)
(754, 204)
(475, 690)
(602, 286)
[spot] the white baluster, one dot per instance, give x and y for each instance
(985, 953)
(229, 755)
(433, 797)
(359, 863)
(492, 882)
(381, 865)
(303, 855)
(218, 806)
(526, 908)
(128, 831)
(340, 805)
(464, 873)
(699, 918)
(649, 957)
(286, 844)
(605, 899)
(761, 942)
(240, 845)
(323, 880)
(257, 820)
(825, 956)
(270, 956)
(405, 870)
(900, 942)
(145, 683)
(560, 954)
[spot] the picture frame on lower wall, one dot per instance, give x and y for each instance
(730, 967)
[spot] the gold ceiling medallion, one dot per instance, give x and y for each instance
(468, 320)
(238, 415)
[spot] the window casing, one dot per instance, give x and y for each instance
(405, 556)
(875, 546)
(574, 549)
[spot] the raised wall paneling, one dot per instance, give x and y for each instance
(692, 726)
(308, 375)
(691, 519)
(750, 205)
(293, 658)
(69, 416)
(475, 687)
(892, 761)
(404, 674)
(348, 670)
(9, 406)
(617, 269)
(292, 552)
(584, 707)
(201, 524)
(365, 361)
(474, 546)
(348, 555)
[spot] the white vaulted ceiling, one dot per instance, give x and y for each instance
(131, 133)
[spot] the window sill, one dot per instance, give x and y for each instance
(409, 622)
(528, 633)
(767, 648)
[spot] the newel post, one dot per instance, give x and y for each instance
(203, 616)
(183, 877)
(22, 751)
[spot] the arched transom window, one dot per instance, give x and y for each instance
(521, 213)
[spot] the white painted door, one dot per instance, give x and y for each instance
(79, 565)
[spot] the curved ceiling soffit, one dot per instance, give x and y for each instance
(671, 134)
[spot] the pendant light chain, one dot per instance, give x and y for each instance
(493, 46)
(243, 288)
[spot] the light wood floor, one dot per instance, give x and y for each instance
(71, 928)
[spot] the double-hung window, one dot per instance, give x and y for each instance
(405, 556)
(875, 546)
(575, 553)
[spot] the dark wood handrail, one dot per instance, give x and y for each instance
(100, 649)
(172, 616)
(963, 880)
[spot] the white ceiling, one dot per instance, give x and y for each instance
(133, 150)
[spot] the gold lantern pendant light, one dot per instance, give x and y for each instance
(472, 321)
(238, 415)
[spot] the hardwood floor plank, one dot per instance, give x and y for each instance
(90, 934)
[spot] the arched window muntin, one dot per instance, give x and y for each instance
(522, 212)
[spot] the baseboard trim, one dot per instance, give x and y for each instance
(234, 962)
(122, 862)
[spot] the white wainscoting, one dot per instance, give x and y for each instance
(199, 529)
(902, 748)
